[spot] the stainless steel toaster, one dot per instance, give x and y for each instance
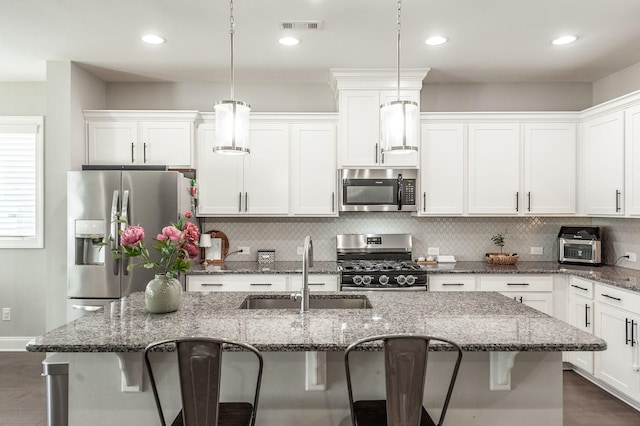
(580, 245)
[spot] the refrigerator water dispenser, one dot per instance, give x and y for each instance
(89, 239)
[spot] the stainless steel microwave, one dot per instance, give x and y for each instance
(378, 190)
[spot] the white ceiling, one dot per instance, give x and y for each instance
(490, 40)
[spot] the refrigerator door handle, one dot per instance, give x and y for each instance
(124, 222)
(113, 234)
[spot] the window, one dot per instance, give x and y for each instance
(21, 188)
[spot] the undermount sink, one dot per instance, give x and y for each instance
(315, 302)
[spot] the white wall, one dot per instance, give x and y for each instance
(23, 275)
(617, 84)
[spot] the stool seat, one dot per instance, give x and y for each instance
(374, 413)
(229, 413)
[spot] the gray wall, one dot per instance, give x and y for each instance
(617, 84)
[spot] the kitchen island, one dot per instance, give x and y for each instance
(511, 370)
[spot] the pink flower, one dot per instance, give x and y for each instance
(170, 232)
(132, 236)
(191, 249)
(191, 232)
(188, 214)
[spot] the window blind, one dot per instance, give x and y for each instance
(20, 200)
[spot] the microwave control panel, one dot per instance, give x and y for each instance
(408, 191)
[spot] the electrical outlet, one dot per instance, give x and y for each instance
(6, 314)
(300, 251)
(434, 251)
(245, 250)
(537, 250)
(632, 256)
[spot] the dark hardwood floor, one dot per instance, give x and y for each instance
(22, 396)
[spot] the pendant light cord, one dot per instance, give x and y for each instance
(231, 31)
(398, 50)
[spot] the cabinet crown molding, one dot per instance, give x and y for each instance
(376, 79)
(141, 115)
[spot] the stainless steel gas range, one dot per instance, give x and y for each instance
(378, 262)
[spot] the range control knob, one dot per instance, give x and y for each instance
(401, 280)
(411, 280)
(357, 280)
(383, 279)
(366, 279)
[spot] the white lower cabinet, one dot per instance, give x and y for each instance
(581, 315)
(535, 291)
(616, 321)
(260, 282)
(452, 282)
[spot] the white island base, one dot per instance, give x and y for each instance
(535, 397)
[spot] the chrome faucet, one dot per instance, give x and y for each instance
(307, 261)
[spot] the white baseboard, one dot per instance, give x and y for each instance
(13, 343)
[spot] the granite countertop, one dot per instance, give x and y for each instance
(478, 321)
(279, 267)
(620, 277)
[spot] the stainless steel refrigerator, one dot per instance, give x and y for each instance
(96, 202)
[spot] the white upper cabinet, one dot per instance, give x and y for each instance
(253, 184)
(494, 168)
(442, 169)
(549, 168)
(359, 123)
(291, 169)
(360, 92)
(314, 182)
(140, 138)
(602, 172)
(632, 158)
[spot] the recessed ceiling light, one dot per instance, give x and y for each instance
(564, 40)
(289, 41)
(436, 40)
(153, 39)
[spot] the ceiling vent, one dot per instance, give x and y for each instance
(301, 25)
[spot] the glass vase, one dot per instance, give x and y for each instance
(163, 295)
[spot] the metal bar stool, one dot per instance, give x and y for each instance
(199, 367)
(405, 372)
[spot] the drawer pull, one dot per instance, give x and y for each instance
(577, 286)
(520, 284)
(611, 297)
(457, 284)
(261, 284)
(212, 284)
(317, 283)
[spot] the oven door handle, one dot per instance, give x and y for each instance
(412, 288)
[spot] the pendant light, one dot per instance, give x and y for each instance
(399, 119)
(232, 117)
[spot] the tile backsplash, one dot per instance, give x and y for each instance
(467, 238)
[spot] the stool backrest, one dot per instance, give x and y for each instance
(199, 368)
(405, 358)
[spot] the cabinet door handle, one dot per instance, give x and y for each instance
(133, 159)
(587, 308)
(144, 152)
(211, 284)
(517, 200)
(611, 297)
(626, 331)
(516, 299)
(424, 201)
(317, 283)
(520, 284)
(578, 287)
(452, 284)
(333, 202)
(239, 202)
(529, 201)
(246, 201)
(261, 284)
(617, 200)
(634, 324)
(376, 153)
